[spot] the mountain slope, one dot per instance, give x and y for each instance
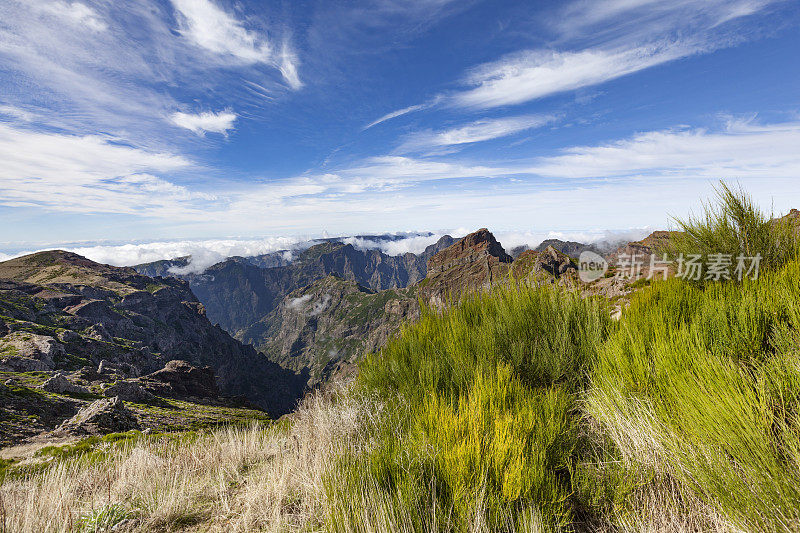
(237, 293)
(327, 326)
(60, 311)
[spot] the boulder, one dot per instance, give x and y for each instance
(23, 364)
(68, 336)
(179, 379)
(40, 347)
(125, 369)
(130, 391)
(59, 384)
(107, 415)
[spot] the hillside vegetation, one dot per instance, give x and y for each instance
(521, 409)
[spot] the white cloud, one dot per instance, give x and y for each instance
(395, 114)
(641, 17)
(211, 28)
(414, 244)
(89, 173)
(300, 304)
(599, 41)
(204, 253)
(204, 122)
(392, 172)
(534, 74)
(16, 112)
(743, 149)
(605, 239)
(75, 13)
(296, 304)
(481, 130)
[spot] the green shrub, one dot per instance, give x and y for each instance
(702, 383)
(103, 519)
(480, 424)
(735, 226)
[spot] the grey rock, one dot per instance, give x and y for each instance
(98, 333)
(128, 391)
(68, 336)
(23, 364)
(40, 347)
(179, 379)
(107, 415)
(59, 384)
(125, 369)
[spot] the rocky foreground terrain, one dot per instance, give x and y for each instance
(74, 332)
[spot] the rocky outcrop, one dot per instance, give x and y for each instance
(655, 243)
(130, 391)
(108, 415)
(474, 263)
(549, 264)
(42, 348)
(571, 248)
(59, 384)
(179, 379)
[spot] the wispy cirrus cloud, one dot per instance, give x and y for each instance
(122, 68)
(742, 149)
(213, 29)
(534, 74)
(205, 122)
(596, 42)
(76, 13)
(477, 131)
(397, 113)
(641, 19)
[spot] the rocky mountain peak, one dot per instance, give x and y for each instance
(472, 263)
(549, 262)
(474, 247)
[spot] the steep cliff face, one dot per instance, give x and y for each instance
(238, 294)
(473, 263)
(324, 328)
(60, 311)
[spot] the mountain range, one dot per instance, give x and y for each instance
(243, 337)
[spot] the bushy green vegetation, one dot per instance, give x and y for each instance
(481, 423)
(523, 409)
(703, 384)
(735, 226)
(526, 406)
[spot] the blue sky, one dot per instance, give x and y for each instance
(203, 119)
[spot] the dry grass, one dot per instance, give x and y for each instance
(233, 480)
(254, 479)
